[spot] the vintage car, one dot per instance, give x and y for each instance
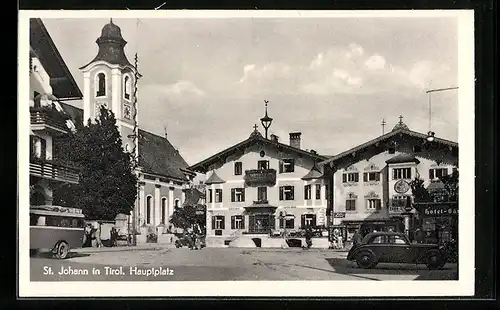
(394, 247)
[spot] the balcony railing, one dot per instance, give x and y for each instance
(54, 171)
(45, 118)
(260, 177)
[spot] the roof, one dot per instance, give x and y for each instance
(61, 80)
(402, 158)
(385, 137)
(156, 154)
(214, 179)
(314, 173)
(254, 138)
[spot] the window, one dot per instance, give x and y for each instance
(437, 173)
(307, 192)
(101, 85)
(287, 192)
(350, 205)
(218, 222)
(373, 204)
(263, 164)
(350, 177)
(126, 87)
(327, 192)
(396, 240)
(262, 193)
(36, 99)
(149, 201)
(287, 166)
(318, 191)
(378, 240)
(308, 220)
(176, 203)
(163, 210)
(210, 196)
(237, 222)
(218, 195)
(288, 224)
(237, 194)
(127, 112)
(371, 176)
(238, 168)
(455, 170)
(401, 173)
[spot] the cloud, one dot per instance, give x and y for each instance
(182, 88)
(345, 69)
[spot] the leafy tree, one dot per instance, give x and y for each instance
(451, 185)
(420, 193)
(184, 217)
(107, 184)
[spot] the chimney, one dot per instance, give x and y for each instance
(295, 139)
(274, 138)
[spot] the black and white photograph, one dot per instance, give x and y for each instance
(246, 153)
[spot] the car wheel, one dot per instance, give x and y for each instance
(62, 250)
(434, 261)
(365, 260)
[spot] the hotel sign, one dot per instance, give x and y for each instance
(435, 210)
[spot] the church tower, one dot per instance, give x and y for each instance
(109, 81)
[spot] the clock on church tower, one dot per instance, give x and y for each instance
(109, 81)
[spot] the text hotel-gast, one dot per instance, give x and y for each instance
(251, 184)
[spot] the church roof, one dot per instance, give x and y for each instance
(111, 46)
(42, 47)
(254, 138)
(214, 179)
(402, 158)
(314, 173)
(157, 155)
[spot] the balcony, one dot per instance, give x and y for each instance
(47, 118)
(53, 171)
(260, 177)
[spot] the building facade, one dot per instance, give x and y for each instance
(371, 182)
(50, 80)
(251, 186)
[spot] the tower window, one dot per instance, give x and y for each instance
(126, 88)
(101, 85)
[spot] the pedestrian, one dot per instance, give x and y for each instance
(308, 236)
(357, 238)
(340, 242)
(419, 236)
(87, 236)
(97, 235)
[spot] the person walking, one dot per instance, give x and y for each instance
(308, 236)
(356, 239)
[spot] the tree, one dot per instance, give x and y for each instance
(420, 193)
(451, 185)
(184, 217)
(107, 183)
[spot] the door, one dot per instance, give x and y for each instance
(399, 249)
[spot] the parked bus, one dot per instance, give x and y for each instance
(56, 229)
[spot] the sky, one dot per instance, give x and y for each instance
(333, 79)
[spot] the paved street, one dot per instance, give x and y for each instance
(223, 264)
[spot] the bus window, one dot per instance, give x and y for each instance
(40, 221)
(33, 219)
(64, 222)
(74, 223)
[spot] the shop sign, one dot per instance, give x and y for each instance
(444, 210)
(339, 215)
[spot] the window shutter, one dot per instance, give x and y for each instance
(281, 167)
(378, 204)
(292, 165)
(233, 195)
(232, 222)
(243, 194)
(365, 177)
(43, 149)
(292, 192)
(314, 220)
(305, 192)
(377, 176)
(242, 222)
(445, 172)
(356, 177)
(344, 178)
(220, 195)
(281, 192)
(272, 222)
(394, 174)
(409, 173)
(223, 221)
(303, 221)
(431, 174)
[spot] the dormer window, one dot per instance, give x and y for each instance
(101, 85)
(126, 87)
